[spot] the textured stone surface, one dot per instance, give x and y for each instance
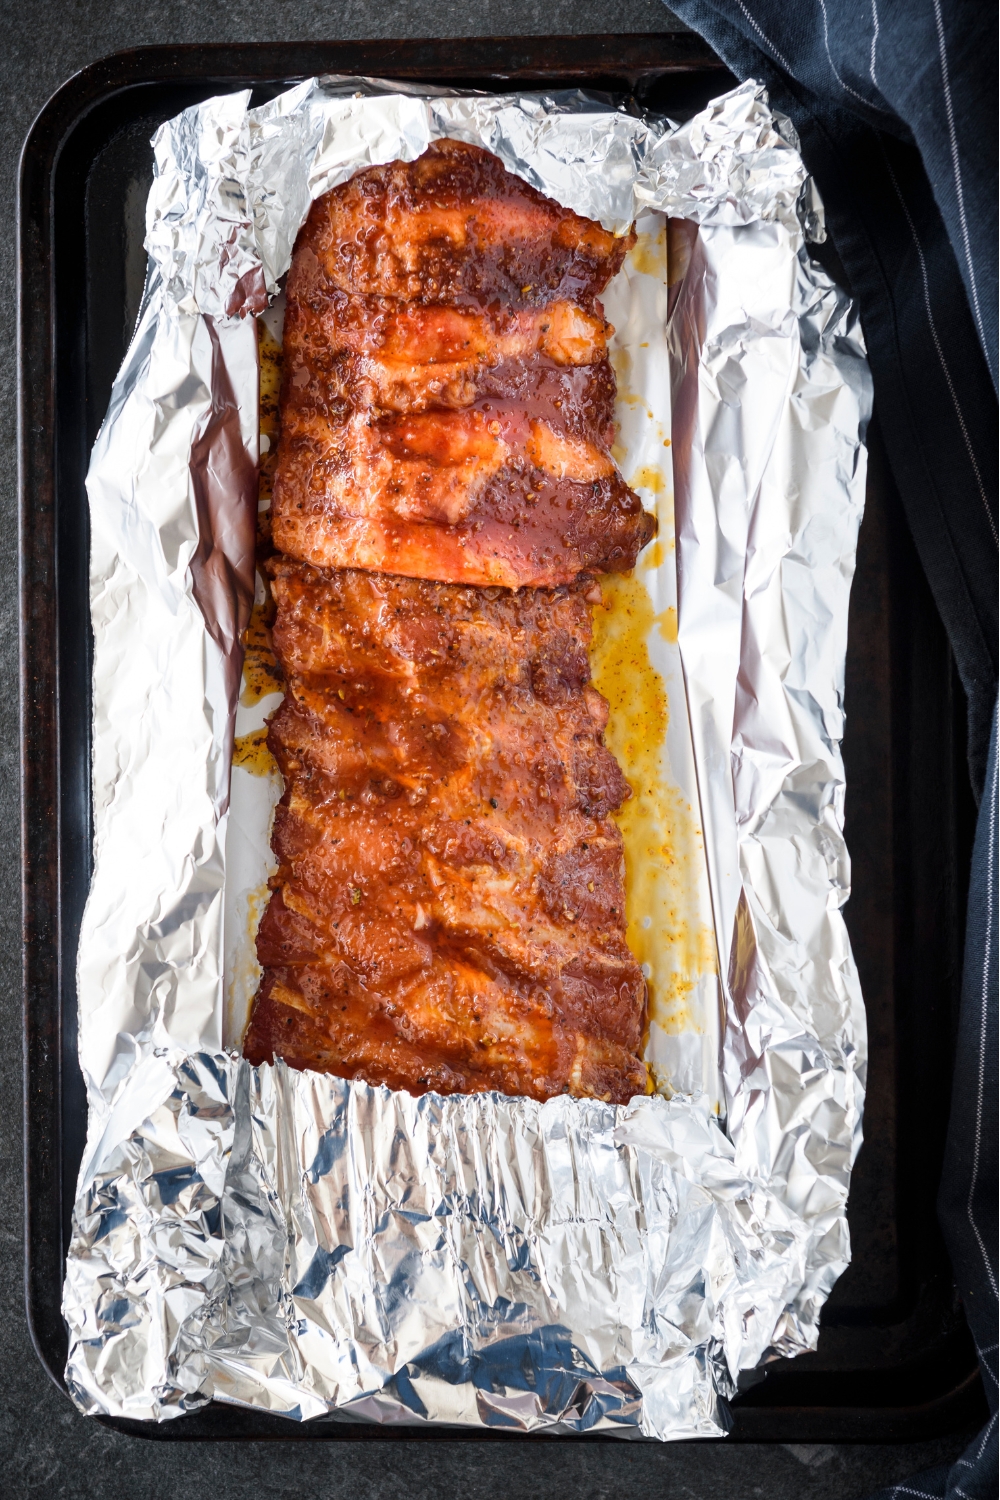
(45, 1448)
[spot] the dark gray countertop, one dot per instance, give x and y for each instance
(45, 1447)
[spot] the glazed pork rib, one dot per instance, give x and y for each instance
(448, 400)
(448, 911)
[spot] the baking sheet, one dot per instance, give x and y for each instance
(293, 1241)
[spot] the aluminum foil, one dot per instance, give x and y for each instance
(326, 1249)
(313, 1246)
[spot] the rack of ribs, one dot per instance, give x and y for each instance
(448, 909)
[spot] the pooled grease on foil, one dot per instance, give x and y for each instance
(664, 850)
(637, 667)
(315, 1247)
(251, 753)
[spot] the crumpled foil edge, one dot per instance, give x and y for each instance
(316, 1245)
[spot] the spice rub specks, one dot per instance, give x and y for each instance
(271, 364)
(261, 674)
(448, 402)
(449, 907)
(453, 226)
(251, 753)
(353, 352)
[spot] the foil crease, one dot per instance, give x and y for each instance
(310, 1245)
(325, 1249)
(233, 185)
(765, 564)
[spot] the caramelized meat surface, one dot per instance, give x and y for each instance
(448, 404)
(453, 226)
(448, 912)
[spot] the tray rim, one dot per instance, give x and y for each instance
(632, 58)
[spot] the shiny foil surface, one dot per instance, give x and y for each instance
(327, 1249)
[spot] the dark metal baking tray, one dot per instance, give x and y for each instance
(895, 1360)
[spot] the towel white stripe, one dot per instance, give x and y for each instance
(953, 138)
(937, 345)
(987, 964)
